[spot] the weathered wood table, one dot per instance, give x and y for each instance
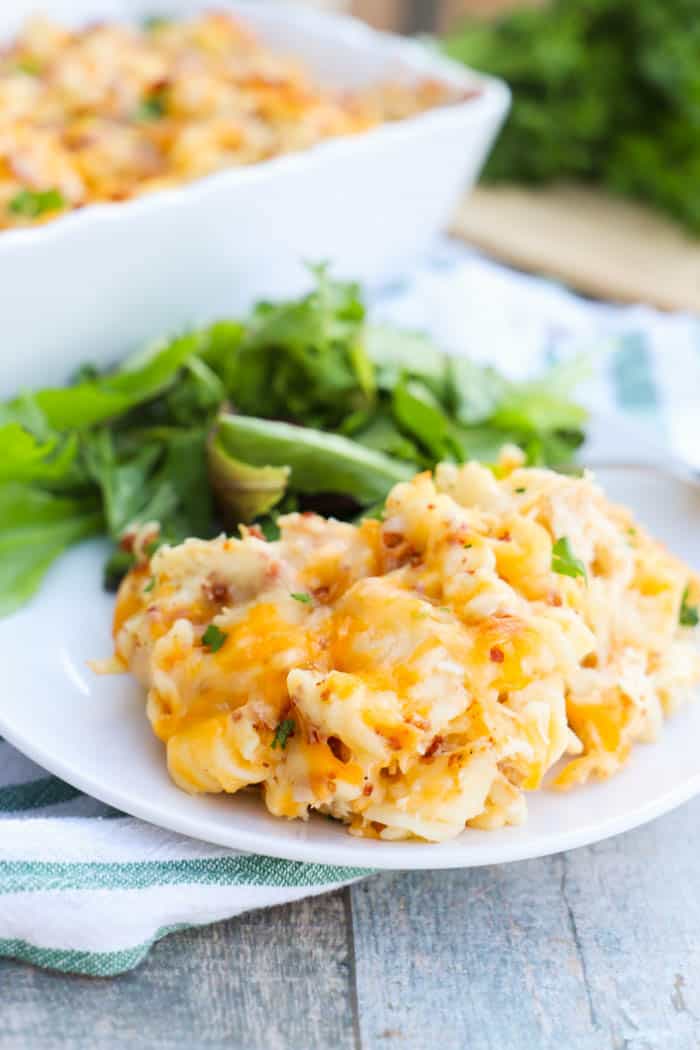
(597, 949)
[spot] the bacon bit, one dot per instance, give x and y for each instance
(496, 654)
(430, 506)
(415, 558)
(313, 736)
(454, 759)
(392, 539)
(340, 750)
(435, 744)
(272, 571)
(321, 593)
(255, 530)
(505, 537)
(308, 514)
(126, 543)
(554, 599)
(367, 789)
(216, 591)
(419, 723)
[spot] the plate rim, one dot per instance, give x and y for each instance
(420, 856)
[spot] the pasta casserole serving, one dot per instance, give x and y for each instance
(496, 632)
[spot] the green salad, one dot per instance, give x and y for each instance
(303, 404)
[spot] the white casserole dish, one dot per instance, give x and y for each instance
(96, 283)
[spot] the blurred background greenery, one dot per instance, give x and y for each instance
(605, 92)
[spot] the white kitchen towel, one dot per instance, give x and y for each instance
(85, 889)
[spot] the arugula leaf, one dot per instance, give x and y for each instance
(473, 392)
(198, 394)
(564, 561)
(304, 359)
(531, 407)
(383, 435)
(419, 414)
(243, 492)
(35, 527)
(158, 475)
(396, 353)
(24, 458)
(123, 483)
(688, 615)
(318, 462)
(94, 401)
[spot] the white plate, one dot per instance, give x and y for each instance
(93, 732)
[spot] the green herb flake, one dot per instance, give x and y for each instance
(29, 66)
(282, 734)
(688, 616)
(520, 490)
(150, 585)
(153, 107)
(631, 532)
(564, 561)
(153, 22)
(214, 638)
(301, 596)
(33, 203)
(468, 546)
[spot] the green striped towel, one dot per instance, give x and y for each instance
(85, 889)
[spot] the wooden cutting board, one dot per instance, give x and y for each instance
(599, 245)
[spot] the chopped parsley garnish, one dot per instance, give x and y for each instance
(30, 66)
(468, 546)
(152, 22)
(282, 734)
(153, 107)
(688, 616)
(32, 203)
(521, 489)
(214, 638)
(564, 561)
(150, 585)
(302, 596)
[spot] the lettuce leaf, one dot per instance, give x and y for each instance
(35, 528)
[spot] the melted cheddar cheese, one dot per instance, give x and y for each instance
(418, 675)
